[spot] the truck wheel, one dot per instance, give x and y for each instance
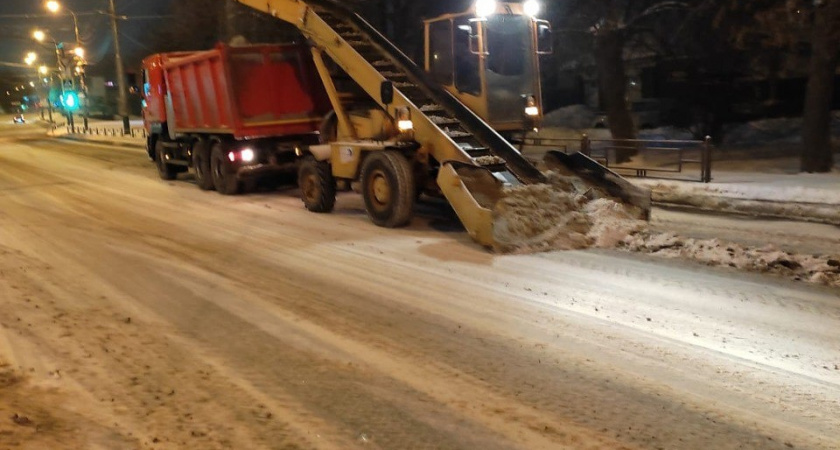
(150, 146)
(165, 170)
(317, 185)
(224, 180)
(388, 188)
(201, 165)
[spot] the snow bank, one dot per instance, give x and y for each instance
(567, 213)
(815, 269)
(666, 133)
(574, 116)
(783, 130)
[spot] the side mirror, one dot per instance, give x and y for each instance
(386, 92)
(545, 38)
(475, 37)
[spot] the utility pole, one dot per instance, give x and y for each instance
(122, 104)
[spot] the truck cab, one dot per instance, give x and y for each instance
(489, 58)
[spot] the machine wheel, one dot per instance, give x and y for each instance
(201, 165)
(150, 146)
(165, 170)
(317, 185)
(388, 188)
(224, 180)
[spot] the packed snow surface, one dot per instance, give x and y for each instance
(568, 213)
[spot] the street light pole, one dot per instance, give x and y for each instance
(122, 104)
(76, 28)
(45, 74)
(82, 79)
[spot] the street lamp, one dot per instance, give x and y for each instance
(55, 7)
(39, 35)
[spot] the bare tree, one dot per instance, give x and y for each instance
(778, 28)
(616, 24)
(817, 152)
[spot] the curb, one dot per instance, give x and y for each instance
(102, 142)
(824, 213)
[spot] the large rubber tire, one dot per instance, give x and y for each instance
(224, 180)
(317, 185)
(201, 165)
(165, 170)
(388, 188)
(150, 145)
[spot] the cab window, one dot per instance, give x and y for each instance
(467, 64)
(440, 51)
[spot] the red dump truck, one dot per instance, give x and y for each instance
(233, 114)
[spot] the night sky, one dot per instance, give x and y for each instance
(16, 41)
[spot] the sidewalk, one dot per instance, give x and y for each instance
(106, 133)
(766, 188)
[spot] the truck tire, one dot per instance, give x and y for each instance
(165, 170)
(388, 188)
(224, 180)
(150, 146)
(201, 165)
(317, 185)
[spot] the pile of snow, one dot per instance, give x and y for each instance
(575, 116)
(769, 259)
(564, 214)
(567, 213)
(783, 130)
(665, 133)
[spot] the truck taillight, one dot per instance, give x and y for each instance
(246, 155)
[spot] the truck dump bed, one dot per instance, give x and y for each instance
(248, 92)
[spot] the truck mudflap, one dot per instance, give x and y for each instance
(590, 170)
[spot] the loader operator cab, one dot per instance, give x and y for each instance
(489, 58)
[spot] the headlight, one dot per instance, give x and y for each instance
(531, 108)
(484, 8)
(404, 122)
(405, 125)
(532, 8)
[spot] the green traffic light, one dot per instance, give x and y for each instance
(70, 100)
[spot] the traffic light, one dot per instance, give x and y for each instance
(70, 100)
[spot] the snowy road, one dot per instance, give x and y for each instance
(136, 313)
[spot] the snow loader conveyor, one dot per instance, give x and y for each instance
(475, 161)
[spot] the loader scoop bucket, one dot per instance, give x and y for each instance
(473, 192)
